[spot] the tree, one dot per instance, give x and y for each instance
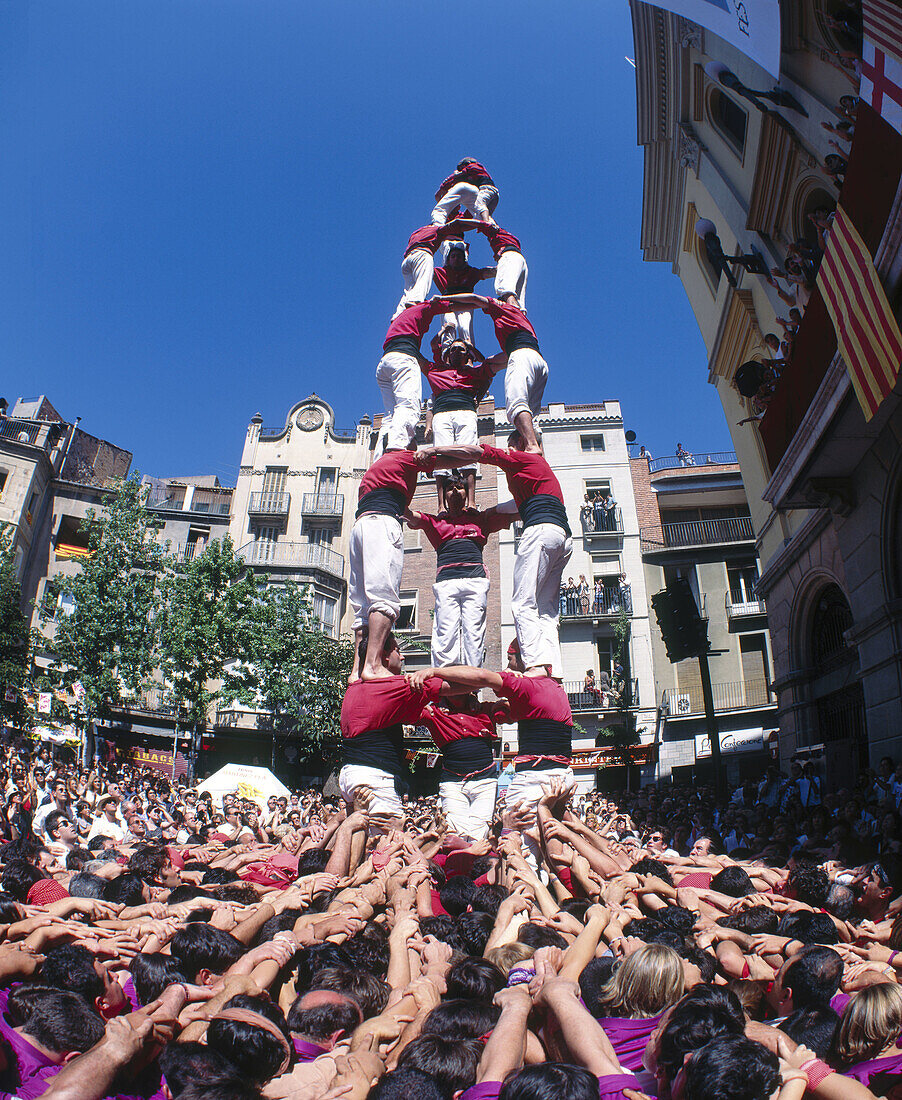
(206, 603)
(13, 639)
(294, 671)
(108, 642)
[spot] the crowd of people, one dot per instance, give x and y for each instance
(658, 944)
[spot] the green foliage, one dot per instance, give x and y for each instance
(109, 640)
(205, 603)
(13, 639)
(293, 670)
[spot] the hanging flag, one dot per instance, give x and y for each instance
(866, 330)
(881, 67)
(45, 702)
(752, 26)
(78, 690)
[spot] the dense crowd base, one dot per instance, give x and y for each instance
(155, 945)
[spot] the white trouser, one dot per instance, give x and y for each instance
(384, 799)
(401, 383)
(510, 276)
(458, 628)
(417, 268)
(468, 805)
(541, 557)
(376, 557)
(477, 201)
(463, 324)
(456, 427)
(525, 790)
(524, 382)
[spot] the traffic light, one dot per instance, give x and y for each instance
(684, 631)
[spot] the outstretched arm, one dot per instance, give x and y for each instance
(496, 362)
(446, 457)
(460, 676)
(467, 301)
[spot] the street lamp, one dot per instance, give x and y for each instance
(752, 262)
(716, 70)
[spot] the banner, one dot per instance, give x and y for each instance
(881, 69)
(752, 26)
(45, 702)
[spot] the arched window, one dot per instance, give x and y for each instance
(711, 270)
(831, 619)
(816, 199)
(728, 119)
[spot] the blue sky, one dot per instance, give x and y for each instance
(205, 204)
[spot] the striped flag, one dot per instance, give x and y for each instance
(881, 69)
(866, 330)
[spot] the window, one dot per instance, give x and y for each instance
(322, 536)
(66, 603)
(327, 481)
(832, 618)
(324, 609)
(265, 540)
(591, 442)
(595, 485)
(728, 119)
(4, 474)
(274, 479)
(224, 507)
(710, 269)
(407, 616)
(742, 580)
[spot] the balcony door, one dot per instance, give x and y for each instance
(327, 481)
(742, 580)
(273, 487)
(265, 543)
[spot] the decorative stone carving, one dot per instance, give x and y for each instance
(835, 493)
(690, 35)
(689, 148)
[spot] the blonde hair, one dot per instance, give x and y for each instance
(872, 1020)
(644, 984)
(506, 957)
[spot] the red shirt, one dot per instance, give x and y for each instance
(429, 237)
(446, 726)
(499, 239)
(442, 376)
(375, 704)
(473, 173)
(535, 697)
(473, 525)
(396, 470)
(528, 475)
(460, 280)
(507, 320)
(415, 320)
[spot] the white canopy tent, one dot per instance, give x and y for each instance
(246, 781)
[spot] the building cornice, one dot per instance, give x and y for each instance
(790, 552)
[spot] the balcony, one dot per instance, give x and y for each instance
(739, 609)
(594, 699)
(609, 526)
(690, 461)
(697, 532)
(740, 695)
(155, 700)
(38, 433)
(607, 606)
(269, 503)
(293, 555)
(323, 504)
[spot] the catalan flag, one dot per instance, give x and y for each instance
(881, 70)
(866, 330)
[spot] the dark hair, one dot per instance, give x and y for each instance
(594, 976)
(184, 1064)
(253, 1052)
(387, 647)
(840, 901)
(732, 1066)
(451, 1063)
(550, 1081)
(704, 960)
(406, 1084)
(757, 918)
(812, 1027)
(733, 881)
(814, 976)
(471, 932)
(677, 918)
(537, 935)
(152, 973)
(441, 927)
(218, 876)
(488, 899)
(809, 928)
(281, 922)
(320, 1022)
(370, 992)
(52, 821)
(460, 1019)
(649, 866)
(77, 858)
(695, 1021)
(127, 889)
(313, 861)
(71, 967)
(19, 877)
(457, 894)
(203, 947)
(310, 960)
(474, 978)
(368, 949)
(148, 861)
(809, 883)
(58, 1019)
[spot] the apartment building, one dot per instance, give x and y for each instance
(695, 523)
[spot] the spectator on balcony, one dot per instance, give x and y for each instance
(822, 220)
(624, 593)
(645, 453)
(599, 597)
(571, 597)
(686, 459)
(610, 512)
(590, 687)
(598, 510)
(583, 595)
(586, 514)
(834, 167)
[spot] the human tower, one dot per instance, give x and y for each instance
(379, 700)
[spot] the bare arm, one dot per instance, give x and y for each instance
(467, 301)
(506, 1048)
(496, 362)
(461, 676)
